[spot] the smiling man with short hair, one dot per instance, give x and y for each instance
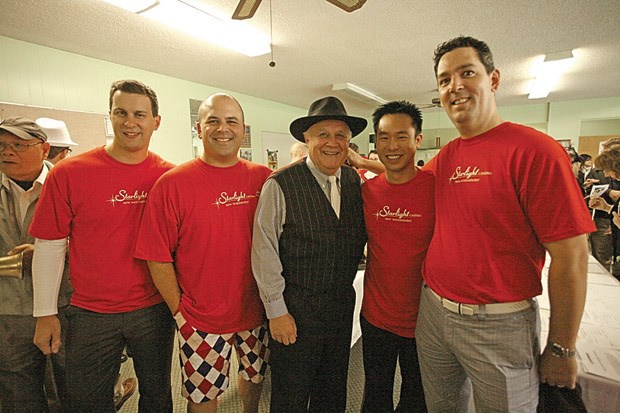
(96, 200)
(196, 236)
(496, 190)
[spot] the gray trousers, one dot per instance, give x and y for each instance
(23, 367)
(498, 353)
(600, 242)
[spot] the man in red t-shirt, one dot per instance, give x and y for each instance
(497, 189)
(92, 204)
(196, 235)
(399, 227)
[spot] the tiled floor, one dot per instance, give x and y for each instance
(230, 402)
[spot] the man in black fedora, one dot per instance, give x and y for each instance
(309, 237)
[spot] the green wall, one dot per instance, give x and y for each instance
(41, 76)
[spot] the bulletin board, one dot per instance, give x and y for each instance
(86, 129)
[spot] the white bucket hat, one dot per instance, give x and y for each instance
(56, 131)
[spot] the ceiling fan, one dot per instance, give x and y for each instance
(435, 103)
(246, 8)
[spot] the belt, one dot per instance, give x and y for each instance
(471, 309)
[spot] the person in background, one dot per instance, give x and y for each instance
(196, 235)
(601, 245)
(58, 137)
(308, 240)
(299, 150)
(366, 174)
(497, 212)
(608, 162)
(586, 167)
(576, 161)
(373, 155)
(399, 227)
(23, 171)
(96, 200)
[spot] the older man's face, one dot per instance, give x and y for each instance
(328, 144)
(22, 165)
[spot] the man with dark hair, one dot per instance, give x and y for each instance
(96, 200)
(23, 171)
(308, 240)
(399, 228)
(137, 88)
(196, 236)
(497, 214)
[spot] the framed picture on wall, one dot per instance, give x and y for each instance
(247, 138)
(565, 143)
(245, 153)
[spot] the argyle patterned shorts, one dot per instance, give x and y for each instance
(205, 359)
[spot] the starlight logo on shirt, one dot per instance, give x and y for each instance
(469, 174)
(400, 215)
(123, 197)
(236, 198)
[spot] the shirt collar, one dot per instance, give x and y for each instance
(320, 176)
(6, 181)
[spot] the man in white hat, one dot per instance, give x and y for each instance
(58, 137)
(309, 238)
(23, 170)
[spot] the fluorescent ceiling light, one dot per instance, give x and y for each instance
(548, 72)
(357, 92)
(193, 17)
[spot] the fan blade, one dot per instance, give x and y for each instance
(245, 9)
(348, 5)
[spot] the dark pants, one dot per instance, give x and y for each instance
(311, 375)
(600, 242)
(381, 350)
(22, 366)
(95, 343)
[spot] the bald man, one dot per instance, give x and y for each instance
(299, 150)
(196, 235)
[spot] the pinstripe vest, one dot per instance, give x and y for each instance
(319, 252)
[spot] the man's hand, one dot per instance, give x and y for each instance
(614, 194)
(616, 219)
(599, 203)
(589, 182)
(354, 158)
(47, 334)
(556, 371)
(283, 329)
(28, 250)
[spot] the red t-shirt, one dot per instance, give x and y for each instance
(399, 222)
(97, 202)
(200, 217)
(499, 197)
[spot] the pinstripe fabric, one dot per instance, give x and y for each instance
(320, 252)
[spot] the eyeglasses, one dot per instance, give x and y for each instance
(17, 147)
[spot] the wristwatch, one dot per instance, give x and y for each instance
(560, 352)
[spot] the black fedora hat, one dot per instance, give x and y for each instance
(329, 107)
